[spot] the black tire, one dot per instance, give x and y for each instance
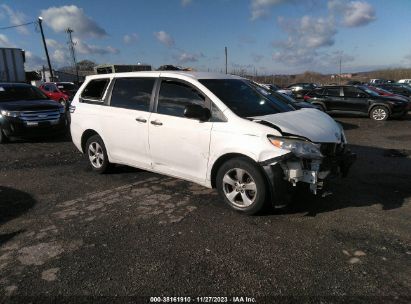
(3, 137)
(253, 173)
(379, 113)
(101, 165)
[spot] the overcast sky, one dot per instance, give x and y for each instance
(270, 36)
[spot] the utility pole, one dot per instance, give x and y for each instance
(340, 71)
(226, 71)
(69, 31)
(45, 48)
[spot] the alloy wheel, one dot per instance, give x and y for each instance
(239, 187)
(379, 114)
(96, 155)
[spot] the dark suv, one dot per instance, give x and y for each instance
(357, 100)
(25, 111)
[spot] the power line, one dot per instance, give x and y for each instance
(18, 25)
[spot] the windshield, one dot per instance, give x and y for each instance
(20, 92)
(244, 98)
(369, 91)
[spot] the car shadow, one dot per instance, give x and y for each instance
(57, 138)
(14, 203)
(378, 177)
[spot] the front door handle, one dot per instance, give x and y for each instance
(156, 123)
(141, 120)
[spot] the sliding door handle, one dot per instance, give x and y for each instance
(156, 123)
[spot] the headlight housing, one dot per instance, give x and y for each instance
(10, 113)
(300, 148)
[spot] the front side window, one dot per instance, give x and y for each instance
(132, 93)
(95, 89)
(174, 96)
(352, 92)
(245, 99)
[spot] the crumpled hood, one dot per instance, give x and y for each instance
(312, 124)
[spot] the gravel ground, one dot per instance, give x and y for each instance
(65, 231)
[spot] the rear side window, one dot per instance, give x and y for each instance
(174, 96)
(132, 93)
(95, 89)
(332, 92)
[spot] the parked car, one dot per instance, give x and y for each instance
(301, 89)
(275, 88)
(62, 92)
(358, 100)
(296, 104)
(404, 81)
(399, 89)
(216, 130)
(25, 112)
(383, 92)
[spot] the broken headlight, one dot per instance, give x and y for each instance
(300, 148)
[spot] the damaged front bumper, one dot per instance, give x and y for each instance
(312, 172)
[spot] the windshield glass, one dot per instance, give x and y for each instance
(244, 98)
(20, 92)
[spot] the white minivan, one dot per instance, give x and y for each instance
(217, 130)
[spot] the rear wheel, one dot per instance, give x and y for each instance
(379, 113)
(242, 185)
(97, 154)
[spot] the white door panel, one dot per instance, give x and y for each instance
(180, 146)
(127, 136)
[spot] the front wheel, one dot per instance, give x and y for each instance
(242, 185)
(379, 113)
(97, 154)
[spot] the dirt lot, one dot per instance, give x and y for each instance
(67, 231)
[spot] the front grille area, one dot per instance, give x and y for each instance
(40, 116)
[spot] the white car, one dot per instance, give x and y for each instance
(407, 81)
(216, 130)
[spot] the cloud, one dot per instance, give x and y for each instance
(354, 13)
(61, 57)
(34, 62)
(185, 2)
(188, 57)
(257, 57)
(5, 42)
(84, 48)
(164, 38)
(16, 18)
(71, 16)
(305, 37)
(260, 8)
(53, 44)
(130, 38)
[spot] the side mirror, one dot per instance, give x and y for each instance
(362, 95)
(197, 112)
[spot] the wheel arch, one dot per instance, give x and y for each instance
(379, 104)
(221, 160)
(85, 136)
